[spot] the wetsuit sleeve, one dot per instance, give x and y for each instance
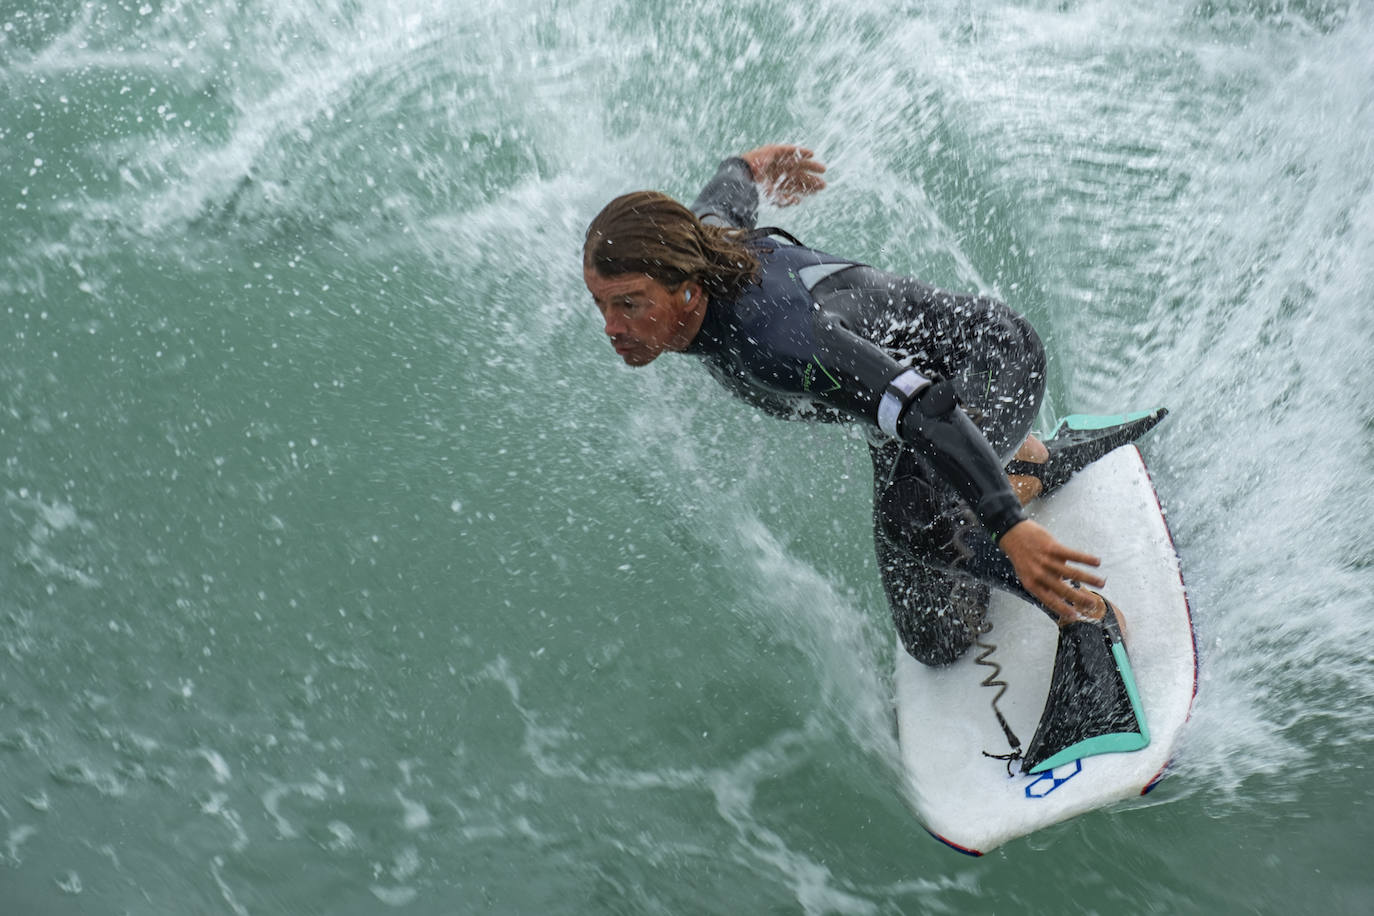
(730, 198)
(861, 379)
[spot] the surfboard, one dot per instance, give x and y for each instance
(973, 802)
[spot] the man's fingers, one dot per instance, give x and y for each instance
(1083, 576)
(1066, 555)
(1059, 605)
(803, 184)
(791, 187)
(1067, 607)
(1055, 591)
(1066, 593)
(1063, 572)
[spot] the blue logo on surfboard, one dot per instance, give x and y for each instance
(1050, 780)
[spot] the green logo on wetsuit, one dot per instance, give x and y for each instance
(809, 376)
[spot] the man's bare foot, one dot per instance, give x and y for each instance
(1032, 450)
(1098, 610)
(1025, 486)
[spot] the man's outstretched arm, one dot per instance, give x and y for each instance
(786, 172)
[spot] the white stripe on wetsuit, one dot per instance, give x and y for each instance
(898, 394)
(815, 273)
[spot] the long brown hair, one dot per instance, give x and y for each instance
(650, 233)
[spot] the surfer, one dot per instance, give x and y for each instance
(949, 384)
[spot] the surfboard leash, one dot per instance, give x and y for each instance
(993, 679)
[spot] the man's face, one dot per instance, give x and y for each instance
(643, 317)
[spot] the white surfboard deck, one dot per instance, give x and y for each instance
(944, 717)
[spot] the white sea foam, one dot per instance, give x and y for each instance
(217, 764)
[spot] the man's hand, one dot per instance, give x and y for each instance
(1042, 564)
(787, 173)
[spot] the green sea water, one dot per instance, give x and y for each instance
(344, 569)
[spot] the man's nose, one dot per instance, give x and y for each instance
(615, 325)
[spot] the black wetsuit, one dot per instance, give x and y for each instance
(823, 338)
